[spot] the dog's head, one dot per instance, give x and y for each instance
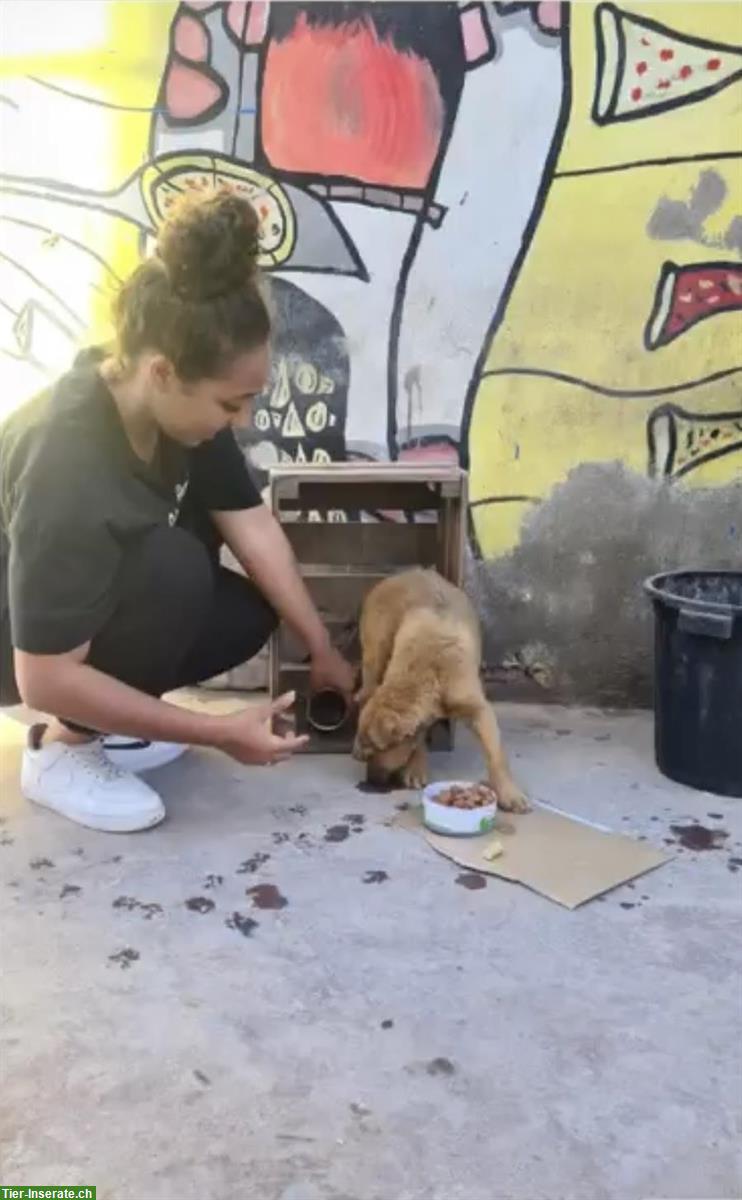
(386, 739)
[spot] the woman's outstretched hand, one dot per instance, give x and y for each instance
(249, 736)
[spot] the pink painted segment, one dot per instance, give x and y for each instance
(433, 452)
(248, 22)
(257, 22)
(190, 38)
(549, 15)
(188, 92)
(474, 31)
(237, 18)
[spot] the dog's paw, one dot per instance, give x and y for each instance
(414, 776)
(512, 799)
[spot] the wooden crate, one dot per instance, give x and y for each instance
(351, 525)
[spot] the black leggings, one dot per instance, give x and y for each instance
(180, 619)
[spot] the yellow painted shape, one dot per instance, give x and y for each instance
(587, 287)
(529, 432)
(707, 126)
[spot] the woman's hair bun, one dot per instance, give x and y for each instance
(209, 245)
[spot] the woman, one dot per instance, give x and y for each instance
(118, 486)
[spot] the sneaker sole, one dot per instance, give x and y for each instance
(105, 823)
(137, 760)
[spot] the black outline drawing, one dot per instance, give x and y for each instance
(611, 168)
(675, 412)
(615, 393)
(670, 270)
(607, 114)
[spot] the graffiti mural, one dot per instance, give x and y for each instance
(507, 234)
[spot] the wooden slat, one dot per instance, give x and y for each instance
(351, 496)
(365, 544)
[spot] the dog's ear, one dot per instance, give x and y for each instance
(389, 727)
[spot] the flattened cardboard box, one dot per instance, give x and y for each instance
(561, 857)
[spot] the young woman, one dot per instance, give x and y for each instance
(118, 486)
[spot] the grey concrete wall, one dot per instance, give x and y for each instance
(566, 609)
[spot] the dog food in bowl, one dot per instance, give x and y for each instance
(458, 808)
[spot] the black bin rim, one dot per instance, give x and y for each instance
(659, 588)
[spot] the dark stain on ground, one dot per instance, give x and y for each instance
(471, 881)
(716, 816)
(212, 881)
(388, 1023)
(279, 838)
(336, 833)
(244, 925)
(699, 837)
(80, 852)
(69, 889)
(251, 865)
(375, 877)
(627, 904)
(267, 895)
(354, 818)
(402, 806)
(124, 957)
(602, 737)
(6, 840)
(669, 841)
(374, 789)
(299, 809)
(440, 1066)
(37, 863)
(129, 903)
(204, 1079)
(734, 864)
(563, 732)
(654, 818)
(199, 904)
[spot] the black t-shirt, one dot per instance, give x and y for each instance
(73, 495)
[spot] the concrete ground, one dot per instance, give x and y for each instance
(406, 1039)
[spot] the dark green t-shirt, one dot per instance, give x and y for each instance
(74, 495)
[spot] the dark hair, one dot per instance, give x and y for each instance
(199, 300)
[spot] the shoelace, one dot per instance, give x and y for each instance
(96, 763)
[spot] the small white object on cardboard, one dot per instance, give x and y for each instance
(561, 857)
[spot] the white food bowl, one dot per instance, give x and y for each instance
(456, 822)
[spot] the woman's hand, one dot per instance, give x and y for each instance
(329, 669)
(248, 736)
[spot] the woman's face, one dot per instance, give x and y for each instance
(191, 413)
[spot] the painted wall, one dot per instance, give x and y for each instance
(507, 234)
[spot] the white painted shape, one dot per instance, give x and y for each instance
(489, 182)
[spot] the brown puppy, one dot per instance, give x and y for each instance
(421, 649)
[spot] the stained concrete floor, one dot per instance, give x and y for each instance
(396, 1040)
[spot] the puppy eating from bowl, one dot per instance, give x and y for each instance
(421, 653)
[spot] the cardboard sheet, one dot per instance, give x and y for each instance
(561, 857)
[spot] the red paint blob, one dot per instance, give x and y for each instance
(713, 64)
(636, 94)
(342, 101)
(641, 68)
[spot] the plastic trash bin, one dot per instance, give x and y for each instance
(698, 678)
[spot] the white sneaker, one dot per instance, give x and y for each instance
(133, 754)
(80, 783)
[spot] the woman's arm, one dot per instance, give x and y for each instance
(65, 685)
(262, 549)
